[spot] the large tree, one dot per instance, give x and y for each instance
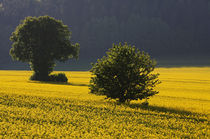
(41, 41)
(124, 74)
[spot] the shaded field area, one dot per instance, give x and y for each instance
(47, 110)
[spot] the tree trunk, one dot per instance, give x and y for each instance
(41, 69)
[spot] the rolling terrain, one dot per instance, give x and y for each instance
(49, 110)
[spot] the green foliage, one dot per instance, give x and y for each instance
(60, 77)
(41, 41)
(124, 74)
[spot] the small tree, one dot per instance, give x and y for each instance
(41, 41)
(124, 74)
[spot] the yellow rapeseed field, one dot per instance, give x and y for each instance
(46, 110)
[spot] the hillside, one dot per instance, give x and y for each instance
(174, 32)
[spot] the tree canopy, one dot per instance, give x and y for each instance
(41, 41)
(124, 74)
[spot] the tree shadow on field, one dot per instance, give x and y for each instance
(46, 82)
(162, 109)
(58, 83)
(184, 114)
(78, 84)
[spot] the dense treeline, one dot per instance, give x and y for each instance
(167, 29)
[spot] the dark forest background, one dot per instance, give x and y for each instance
(174, 32)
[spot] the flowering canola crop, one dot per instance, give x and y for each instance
(49, 110)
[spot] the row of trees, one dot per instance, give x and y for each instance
(166, 29)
